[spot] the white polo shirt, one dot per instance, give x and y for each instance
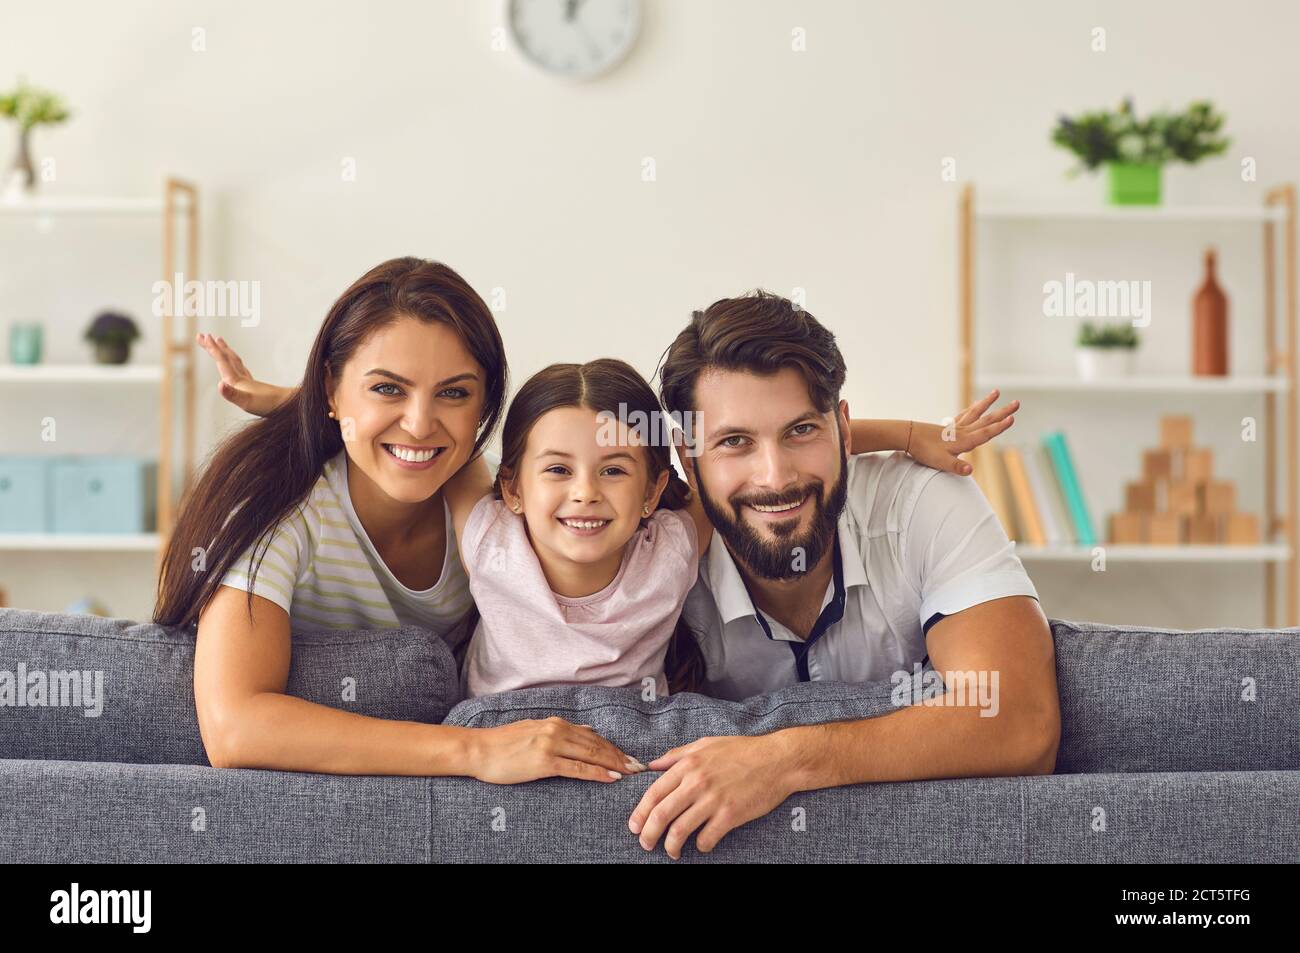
(913, 544)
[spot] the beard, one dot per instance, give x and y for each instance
(775, 558)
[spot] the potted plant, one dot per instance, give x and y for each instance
(112, 334)
(1106, 351)
(29, 107)
(1134, 150)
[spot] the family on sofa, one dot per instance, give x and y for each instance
(364, 499)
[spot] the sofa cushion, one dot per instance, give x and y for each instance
(1133, 699)
(134, 684)
(1137, 698)
(646, 729)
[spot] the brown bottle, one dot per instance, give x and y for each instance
(1210, 325)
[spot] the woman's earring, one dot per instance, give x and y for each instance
(331, 415)
(645, 510)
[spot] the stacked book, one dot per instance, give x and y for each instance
(1035, 492)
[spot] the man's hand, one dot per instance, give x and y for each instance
(713, 785)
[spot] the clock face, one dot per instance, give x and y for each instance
(574, 38)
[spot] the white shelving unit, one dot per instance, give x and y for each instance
(1280, 530)
(81, 542)
(81, 373)
(1138, 384)
(178, 201)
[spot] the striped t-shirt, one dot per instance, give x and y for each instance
(322, 569)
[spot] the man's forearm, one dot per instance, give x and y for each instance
(912, 744)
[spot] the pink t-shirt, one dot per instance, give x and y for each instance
(528, 636)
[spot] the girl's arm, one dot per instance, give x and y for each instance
(239, 386)
(934, 444)
(241, 667)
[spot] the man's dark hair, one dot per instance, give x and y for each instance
(759, 332)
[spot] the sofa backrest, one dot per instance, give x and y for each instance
(99, 689)
(1137, 698)
(1132, 698)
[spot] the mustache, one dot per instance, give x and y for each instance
(785, 500)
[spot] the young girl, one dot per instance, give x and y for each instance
(582, 554)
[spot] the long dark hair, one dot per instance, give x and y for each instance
(257, 476)
(609, 385)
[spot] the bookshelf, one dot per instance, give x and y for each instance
(176, 210)
(1277, 386)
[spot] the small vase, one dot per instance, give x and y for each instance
(1133, 183)
(21, 178)
(1210, 325)
(1103, 363)
(112, 352)
(25, 344)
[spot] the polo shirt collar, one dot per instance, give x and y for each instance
(728, 587)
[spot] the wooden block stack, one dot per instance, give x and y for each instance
(1178, 500)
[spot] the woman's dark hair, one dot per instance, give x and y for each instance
(614, 386)
(256, 477)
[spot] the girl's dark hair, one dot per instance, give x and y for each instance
(614, 386)
(257, 476)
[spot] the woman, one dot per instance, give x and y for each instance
(403, 388)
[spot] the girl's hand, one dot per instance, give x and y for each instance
(969, 429)
(547, 748)
(237, 385)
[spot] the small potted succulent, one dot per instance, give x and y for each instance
(1133, 150)
(29, 107)
(112, 334)
(1106, 351)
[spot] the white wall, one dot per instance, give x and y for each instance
(816, 169)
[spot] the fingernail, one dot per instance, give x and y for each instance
(633, 766)
(614, 775)
(634, 826)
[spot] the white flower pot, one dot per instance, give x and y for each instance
(1103, 363)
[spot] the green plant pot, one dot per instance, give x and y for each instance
(1133, 183)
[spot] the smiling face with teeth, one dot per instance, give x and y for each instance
(408, 402)
(771, 469)
(582, 496)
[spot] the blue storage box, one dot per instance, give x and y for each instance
(24, 495)
(103, 495)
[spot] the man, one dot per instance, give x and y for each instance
(834, 567)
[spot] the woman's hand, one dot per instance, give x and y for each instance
(547, 748)
(938, 446)
(239, 386)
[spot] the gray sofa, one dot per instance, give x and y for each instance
(1179, 746)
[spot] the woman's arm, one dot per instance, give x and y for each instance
(936, 445)
(239, 386)
(241, 667)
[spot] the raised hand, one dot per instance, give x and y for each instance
(237, 385)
